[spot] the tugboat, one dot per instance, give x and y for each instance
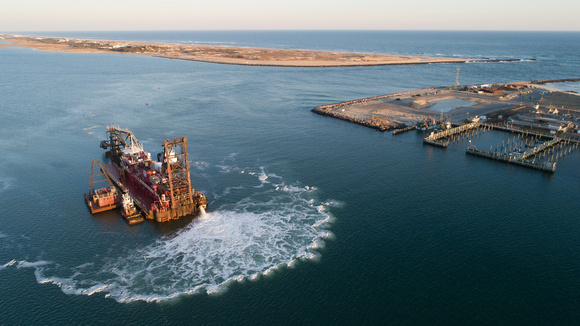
(129, 211)
(101, 199)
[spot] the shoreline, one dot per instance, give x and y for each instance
(231, 55)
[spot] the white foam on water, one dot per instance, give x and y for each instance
(8, 264)
(5, 183)
(273, 228)
(24, 264)
(201, 165)
(263, 177)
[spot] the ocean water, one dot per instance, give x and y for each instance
(310, 219)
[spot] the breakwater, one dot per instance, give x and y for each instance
(547, 81)
(402, 130)
(338, 110)
(378, 124)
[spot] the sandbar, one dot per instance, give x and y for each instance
(227, 54)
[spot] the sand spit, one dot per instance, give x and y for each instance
(227, 54)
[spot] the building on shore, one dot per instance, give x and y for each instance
(548, 119)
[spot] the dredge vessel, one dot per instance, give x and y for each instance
(158, 189)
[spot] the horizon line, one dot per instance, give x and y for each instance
(289, 30)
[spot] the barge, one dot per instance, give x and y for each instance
(104, 198)
(160, 189)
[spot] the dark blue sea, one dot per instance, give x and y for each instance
(311, 220)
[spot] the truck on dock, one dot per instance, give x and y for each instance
(159, 188)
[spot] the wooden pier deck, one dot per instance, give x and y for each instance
(441, 139)
(527, 132)
(540, 148)
(535, 157)
(521, 158)
(544, 166)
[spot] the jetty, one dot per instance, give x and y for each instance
(402, 130)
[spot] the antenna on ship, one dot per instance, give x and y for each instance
(457, 77)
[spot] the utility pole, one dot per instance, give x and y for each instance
(457, 77)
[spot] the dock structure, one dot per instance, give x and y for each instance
(544, 166)
(535, 150)
(541, 152)
(441, 139)
(511, 128)
(523, 158)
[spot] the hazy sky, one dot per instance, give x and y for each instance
(60, 15)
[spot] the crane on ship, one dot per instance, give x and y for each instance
(119, 140)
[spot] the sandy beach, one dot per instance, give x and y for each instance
(225, 54)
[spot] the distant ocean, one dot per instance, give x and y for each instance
(311, 220)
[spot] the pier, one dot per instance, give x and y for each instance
(535, 150)
(538, 149)
(542, 157)
(544, 166)
(441, 139)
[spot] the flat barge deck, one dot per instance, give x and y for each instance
(145, 203)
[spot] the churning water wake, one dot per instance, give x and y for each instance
(273, 227)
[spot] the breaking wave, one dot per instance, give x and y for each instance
(273, 227)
